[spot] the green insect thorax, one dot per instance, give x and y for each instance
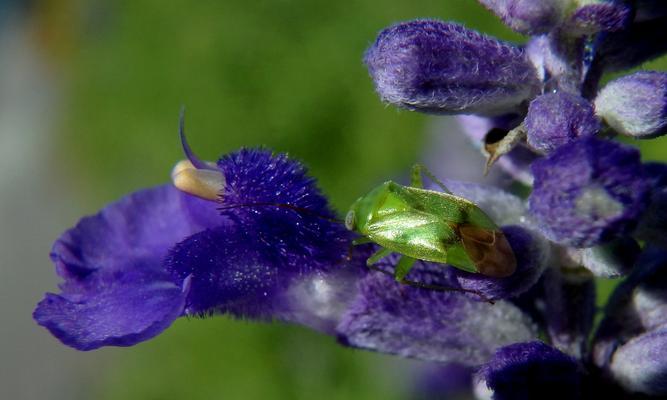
(419, 223)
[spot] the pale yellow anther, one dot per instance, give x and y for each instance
(205, 183)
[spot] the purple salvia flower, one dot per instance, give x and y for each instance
(253, 237)
(440, 67)
(588, 192)
(640, 365)
(528, 16)
(116, 290)
(393, 318)
(530, 370)
(636, 104)
(131, 270)
(555, 119)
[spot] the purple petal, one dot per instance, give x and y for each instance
(532, 254)
(588, 192)
(633, 46)
(640, 365)
(527, 16)
(240, 270)
(637, 305)
(276, 202)
(611, 260)
(531, 370)
(593, 18)
(438, 67)
(121, 309)
(392, 318)
(555, 119)
(116, 291)
(636, 104)
(569, 312)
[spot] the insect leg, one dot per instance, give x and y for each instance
(435, 288)
(361, 240)
(418, 170)
(377, 256)
(403, 267)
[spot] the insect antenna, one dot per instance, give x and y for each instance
(436, 288)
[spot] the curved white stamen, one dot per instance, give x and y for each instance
(205, 183)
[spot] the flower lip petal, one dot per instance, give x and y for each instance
(588, 192)
(115, 290)
(112, 310)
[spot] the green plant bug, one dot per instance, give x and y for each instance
(428, 225)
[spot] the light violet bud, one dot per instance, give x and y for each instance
(588, 192)
(636, 104)
(438, 67)
(529, 17)
(555, 119)
(640, 365)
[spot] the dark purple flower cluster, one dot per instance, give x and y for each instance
(253, 237)
(540, 114)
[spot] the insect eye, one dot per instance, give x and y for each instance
(349, 220)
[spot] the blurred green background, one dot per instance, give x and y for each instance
(284, 74)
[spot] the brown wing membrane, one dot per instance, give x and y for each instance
(489, 250)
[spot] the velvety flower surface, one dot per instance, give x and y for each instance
(116, 290)
(530, 370)
(157, 254)
(393, 318)
(588, 192)
(555, 119)
(441, 67)
(636, 104)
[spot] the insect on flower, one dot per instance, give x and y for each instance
(427, 225)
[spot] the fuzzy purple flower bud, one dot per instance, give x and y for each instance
(528, 16)
(157, 254)
(636, 104)
(640, 365)
(531, 370)
(588, 192)
(555, 119)
(390, 317)
(438, 67)
(532, 254)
